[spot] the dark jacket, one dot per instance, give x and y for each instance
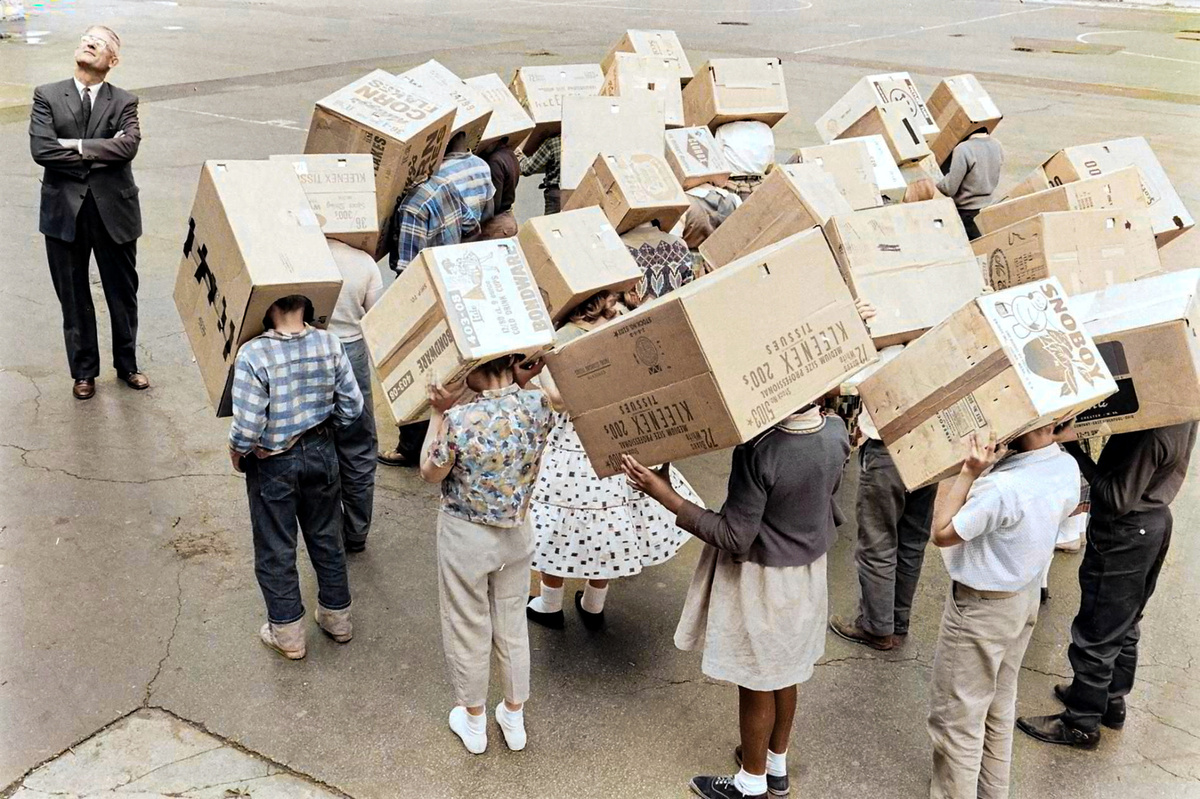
(104, 169)
(1138, 472)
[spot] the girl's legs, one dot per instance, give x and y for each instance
(594, 594)
(551, 597)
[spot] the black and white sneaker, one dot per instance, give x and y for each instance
(776, 786)
(719, 788)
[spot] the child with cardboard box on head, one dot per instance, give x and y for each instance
(547, 159)
(506, 173)
(665, 261)
(972, 176)
(288, 385)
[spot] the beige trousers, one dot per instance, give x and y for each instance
(973, 698)
(483, 584)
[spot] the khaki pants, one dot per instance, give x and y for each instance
(483, 583)
(974, 690)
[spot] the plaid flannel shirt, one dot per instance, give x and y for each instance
(285, 385)
(548, 159)
(446, 208)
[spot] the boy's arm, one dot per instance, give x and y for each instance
(523, 374)
(537, 162)
(250, 396)
(949, 185)
(980, 457)
(1120, 490)
(437, 456)
(374, 290)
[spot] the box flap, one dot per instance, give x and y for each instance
(1150, 301)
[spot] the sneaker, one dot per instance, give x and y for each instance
(513, 727)
(719, 788)
(1114, 714)
(1055, 730)
(476, 742)
(335, 623)
(853, 632)
(592, 621)
(555, 620)
(286, 639)
(776, 786)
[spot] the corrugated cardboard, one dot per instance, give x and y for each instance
(631, 75)
(1085, 250)
(541, 91)
(660, 44)
(404, 133)
(453, 308)
(732, 89)
(439, 83)
(695, 158)
(895, 88)
(791, 199)
(573, 255)
(903, 140)
(1035, 181)
(926, 167)
(912, 261)
(1007, 362)
(509, 119)
(631, 190)
(695, 370)
(251, 239)
(1147, 334)
(850, 165)
(341, 192)
(1169, 216)
(592, 126)
(1120, 190)
(960, 106)
(887, 175)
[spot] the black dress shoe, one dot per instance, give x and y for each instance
(555, 621)
(85, 388)
(354, 547)
(1053, 730)
(592, 621)
(1114, 714)
(135, 380)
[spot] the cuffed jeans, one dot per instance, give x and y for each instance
(297, 491)
(356, 451)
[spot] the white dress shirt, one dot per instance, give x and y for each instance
(94, 90)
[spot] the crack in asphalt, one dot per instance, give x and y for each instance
(170, 639)
(26, 452)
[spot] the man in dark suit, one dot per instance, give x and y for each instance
(85, 132)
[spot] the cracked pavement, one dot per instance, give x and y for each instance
(125, 556)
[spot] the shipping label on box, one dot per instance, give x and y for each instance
(437, 82)
(631, 75)
(1120, 190)
(541, 91)
(631, 191)
(960, 106)
(733, 89)
(621, 126)
(850, 165)
(896, 88)
(660, 44)
(695, 158)
(509, 119)
(887, 175)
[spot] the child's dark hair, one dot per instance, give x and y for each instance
(498, 366)
(601, 306)
(288, 304)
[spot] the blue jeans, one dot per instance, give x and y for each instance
(356, 450)
(298, 491)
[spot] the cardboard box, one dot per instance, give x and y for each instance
(903, 140)
(895, 88)
(573, 255)
(791, 199)
(1007, 362)
(660, 44)
(911, 261)
(453, 308)
(1035, 181)
(960, 106)
(1120, 190)
(694, 371)
(541, 91)
(1147, 334)
(695, 157)
(610, 125)
(405, 134)
(251, 239)
(631, 75)
(341, 192)
(888, 179)
(1085, 250)
(509, 119)
(852, 170)
(631, 190)
(926, 167)
(732, 89)
(437, 82)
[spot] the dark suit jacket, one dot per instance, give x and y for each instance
(105, 168)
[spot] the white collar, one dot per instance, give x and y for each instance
(79, 87)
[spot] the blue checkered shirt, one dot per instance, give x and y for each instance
(285, 385)
(446, 208)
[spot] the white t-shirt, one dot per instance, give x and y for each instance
(865, 424)
(361, 287)
(1011, 519)
(748, 147)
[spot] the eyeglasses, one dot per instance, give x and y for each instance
(88, 38)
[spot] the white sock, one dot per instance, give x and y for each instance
(776, 764)
(593, 598)
(512, 724)
(550, 600)
(750, 784)
(471, 729)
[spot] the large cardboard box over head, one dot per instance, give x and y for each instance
(695, 371)
(404, 132)
(660, 44)
(888, 178)
(733, 89)
(593, 126)
(251, 239)
(960, 106)
(1120, 190)
(896, 88)
(1147, 334)
(341, 192)
(695, 157)
(631, 190)
(1085, 250)
(927, 167)
(898, 132)
(573, 255)
(852, 170)
(911, 261)
(1007, 362)
(453, 308)
(632, 75)
(541, 91)
(436, 81)
(791, 199)
(509, 119)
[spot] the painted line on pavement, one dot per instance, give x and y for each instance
(923, 29)
(273, 123)
(1083, 38)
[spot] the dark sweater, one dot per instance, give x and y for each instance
(974, 173)
(780, 508)
(505, 174)
(1137, 472)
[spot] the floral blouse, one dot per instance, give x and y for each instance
(495, 443)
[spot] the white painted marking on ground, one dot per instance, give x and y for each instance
(1083, 38)
(923, 29)
(172, 27)
(802, 6)
(270, 123)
